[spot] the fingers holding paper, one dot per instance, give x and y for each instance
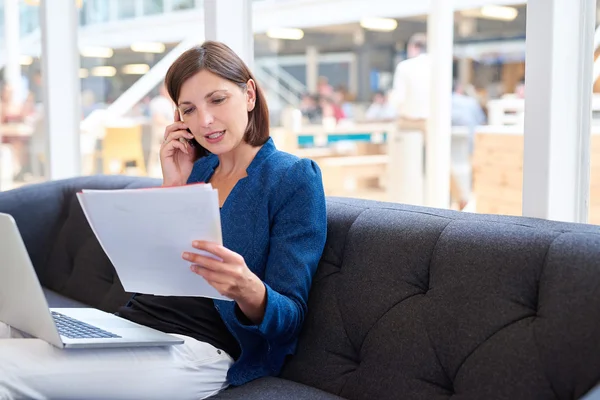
(230, 276)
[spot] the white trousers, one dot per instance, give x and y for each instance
(34, 369)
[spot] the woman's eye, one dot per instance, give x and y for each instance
(189, 110)
(218, 100)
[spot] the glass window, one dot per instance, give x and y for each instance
(183, 4)
(126, 9)
(151, 7)
(495, 75)
(342, 76)
(29, 20)
(1, 22)
(94, 11)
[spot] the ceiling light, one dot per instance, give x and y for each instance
(25, 60)
(492, 12)
(97, 52)
(83, 73)
(285, 33)
(135, 69)
(106, 70)
(36, 3)
(148, 47)
(499, 12)
(379, 24)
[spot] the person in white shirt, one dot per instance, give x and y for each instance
(412, 85)
(411, 95)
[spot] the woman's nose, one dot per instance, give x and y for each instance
(206, 118)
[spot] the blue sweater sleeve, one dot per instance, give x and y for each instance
(297, 238)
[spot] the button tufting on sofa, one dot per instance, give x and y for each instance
(431, 303)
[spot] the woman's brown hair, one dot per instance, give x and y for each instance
(219, 59)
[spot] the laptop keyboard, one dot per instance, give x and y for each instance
(75, 329)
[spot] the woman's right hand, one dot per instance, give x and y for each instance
(176, 158)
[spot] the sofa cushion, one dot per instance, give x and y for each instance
(274, 389)
(421, 303)
(80, 268)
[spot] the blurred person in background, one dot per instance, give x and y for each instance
(29, 109)
(324, 89)
(411, 95)
(381, 109)
(466, 111)
(412, 86)
(344, 99)
(89, 103)
(142, 108)
(11, 113)
(309, 106)
(36, 87)
(520, 89)
(330, 109)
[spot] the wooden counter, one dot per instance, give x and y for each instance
(498, 171)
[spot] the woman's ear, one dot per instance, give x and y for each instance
(251, 94)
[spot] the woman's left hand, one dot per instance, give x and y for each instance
(231, 277)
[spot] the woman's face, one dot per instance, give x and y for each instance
(216, 110)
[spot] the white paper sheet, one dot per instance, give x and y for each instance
(145, 231)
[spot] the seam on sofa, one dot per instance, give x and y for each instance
(346, 375)
(384, 314)
(485, 340)
(472, 218)
(343, 386)
(337, 298)
(433, 252)
(437, 357)
(388, 208)
(332, 250)
(535, 340)
(431, 258)
(544, 263)
(346, 236)
(539, 360)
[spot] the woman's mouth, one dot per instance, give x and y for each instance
(215, 137)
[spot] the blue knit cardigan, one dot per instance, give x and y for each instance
(276, 219)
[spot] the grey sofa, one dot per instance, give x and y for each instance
(408, 302)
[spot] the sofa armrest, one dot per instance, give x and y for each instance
(274, 389)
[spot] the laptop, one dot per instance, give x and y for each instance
(23, 306)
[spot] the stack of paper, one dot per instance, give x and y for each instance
(145, 231)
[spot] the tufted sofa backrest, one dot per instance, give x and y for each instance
(417, 303)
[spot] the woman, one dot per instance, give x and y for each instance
(274, 228)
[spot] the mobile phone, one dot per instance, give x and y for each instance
(192, 142)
